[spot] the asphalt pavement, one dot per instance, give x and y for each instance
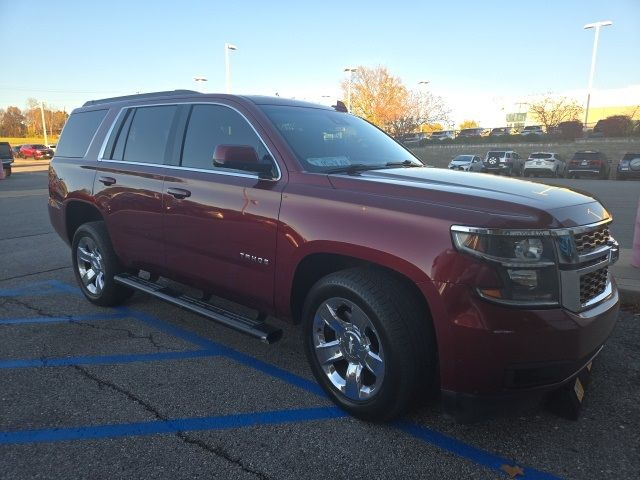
(149, 391)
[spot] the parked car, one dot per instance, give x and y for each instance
(6, 157)
(16, 151)
(629, 166)
(500, 132)
(467, 163)
(36, 151)
(532, 130)
(545, 163)
(415, 139)
(471, 133)
(52, 147)
(404, 278)
(442, 135)
(589, 163)
(505, 162)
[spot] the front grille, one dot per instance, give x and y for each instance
(592, 284)
(587, 241)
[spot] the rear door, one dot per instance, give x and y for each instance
(128, 184)
(220, 223)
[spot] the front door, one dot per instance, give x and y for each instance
(220, 223)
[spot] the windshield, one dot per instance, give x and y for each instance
(463, 158)
(541, 155)
(586, 155)
(324, 140)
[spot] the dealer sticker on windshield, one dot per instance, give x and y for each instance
(329, 161)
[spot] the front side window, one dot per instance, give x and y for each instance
(325, 140)
(212, 125)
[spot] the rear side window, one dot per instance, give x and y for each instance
(213, 125)
(78, 133)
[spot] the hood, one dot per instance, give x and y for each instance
(478, 199)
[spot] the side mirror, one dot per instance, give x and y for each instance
(241, 157)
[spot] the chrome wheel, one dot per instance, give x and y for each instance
(348, 348)
(90, 266)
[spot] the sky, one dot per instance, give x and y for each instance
(471, 52)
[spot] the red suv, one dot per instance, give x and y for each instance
(405, 279)
(35, 151)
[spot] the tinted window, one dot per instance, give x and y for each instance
(5, 151)
(541, 155)
(587, 155)
(148, 134)
(78, 132)
(121, 131)
(495, 154)
(213, 125)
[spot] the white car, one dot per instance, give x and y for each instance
(532, 130)
(545, 163)
(466, 163)
(442, 135)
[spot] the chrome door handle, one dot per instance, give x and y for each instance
(107, 180)
(179, 193)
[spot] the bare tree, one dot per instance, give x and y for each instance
(550, 111)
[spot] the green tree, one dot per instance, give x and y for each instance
(12, 123)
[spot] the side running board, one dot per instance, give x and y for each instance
(254, 328)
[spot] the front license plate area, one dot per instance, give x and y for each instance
(567, 401)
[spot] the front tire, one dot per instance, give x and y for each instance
(369, 342)
(7, 172)
(95, 264)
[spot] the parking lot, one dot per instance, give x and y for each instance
(149, 391)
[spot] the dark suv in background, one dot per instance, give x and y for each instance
(589, 163)
(6, 157)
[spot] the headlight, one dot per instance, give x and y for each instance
(525, 262)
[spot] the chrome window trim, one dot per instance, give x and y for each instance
(189, 169)
(180, 167)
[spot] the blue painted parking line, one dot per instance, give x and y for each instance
(476, 455)
(171, 426)
(105, 359)
(210, 348)
(71, 318)
(43, 288)
(284, 375)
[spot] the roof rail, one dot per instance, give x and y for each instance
(169, 93)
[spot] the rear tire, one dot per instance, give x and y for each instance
(95, 264)
(369, 342)
(7, 172)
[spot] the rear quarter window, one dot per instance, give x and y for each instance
(78, 133)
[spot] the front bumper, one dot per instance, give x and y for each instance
(492, 350)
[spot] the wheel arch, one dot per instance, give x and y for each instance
(76, 213)
(314, 266)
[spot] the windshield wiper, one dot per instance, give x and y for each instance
(354, 168)
(404, 163)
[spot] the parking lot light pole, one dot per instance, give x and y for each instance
(597, 26)
(44, 125)
(227, 47)
(350, 70)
